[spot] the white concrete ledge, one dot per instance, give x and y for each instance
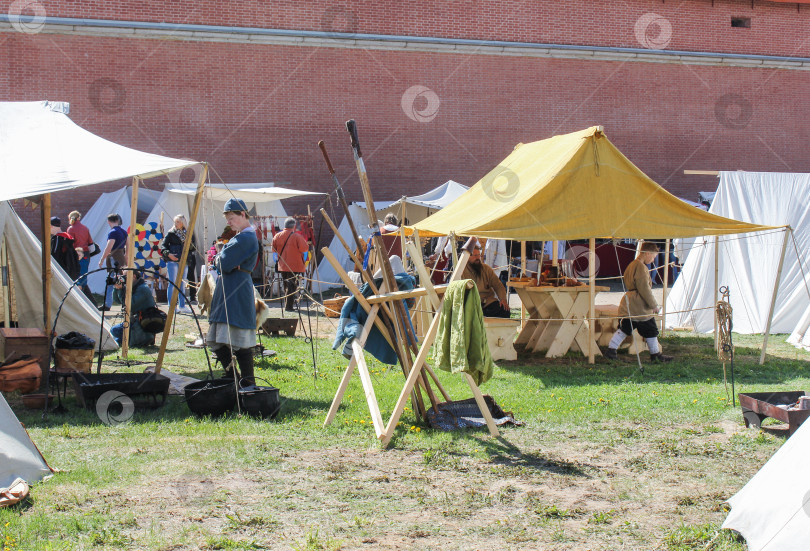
(440, 46)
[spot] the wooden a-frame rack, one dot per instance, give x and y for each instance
(372, 305)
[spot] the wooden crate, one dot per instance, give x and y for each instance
(16, 342)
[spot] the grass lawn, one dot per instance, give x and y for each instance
(609, 458)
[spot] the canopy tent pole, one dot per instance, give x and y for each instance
(554, 260)
(133, 218)
(402, 234)
(716, 286)
(666, 287)
(591, 297)
(45, 211)
(522, 259)
(6, 275)
(788, 231)
(186, 246)
(522, 274)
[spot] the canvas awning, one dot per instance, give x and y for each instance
(43, 151)
(573, 186)
(251, 193)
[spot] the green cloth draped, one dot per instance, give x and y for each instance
(461, 341)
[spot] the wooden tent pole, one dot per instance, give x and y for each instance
(6, 275)
(666, 288)
(186, 246)
(591, 298)
(716, 291)
(555, 245)
(773, 298)
(133, 219)
(45, 212)
(522, 259)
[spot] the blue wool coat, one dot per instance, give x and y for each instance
(234, 288)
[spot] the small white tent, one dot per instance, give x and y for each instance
(119, 202)
(748, 263)
(416, 208)
(25, 252)
(772, 511)
(262, 199)
(19, 458)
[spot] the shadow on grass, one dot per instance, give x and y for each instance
(695, 361)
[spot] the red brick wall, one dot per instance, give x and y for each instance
(256, 112)
(698, 25)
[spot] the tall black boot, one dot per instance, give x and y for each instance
(245, 359)
(225, 358)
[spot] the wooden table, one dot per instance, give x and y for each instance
(547, 307)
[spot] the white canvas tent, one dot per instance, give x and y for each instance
(262, 199)
(120, 202)
(748, 263)
(43, 151)
(18, 455)
(25, 252)
(417, 208)
(772, 511)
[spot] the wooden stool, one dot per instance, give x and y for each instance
(501, 333)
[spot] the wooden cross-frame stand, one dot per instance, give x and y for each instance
(372, 305)
(388, 313)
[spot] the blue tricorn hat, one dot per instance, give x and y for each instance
(235, 205)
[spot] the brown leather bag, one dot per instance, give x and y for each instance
(23, 374)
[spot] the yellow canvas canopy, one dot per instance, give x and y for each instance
(573, 186)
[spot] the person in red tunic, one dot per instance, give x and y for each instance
(83, 241)
(290, 247)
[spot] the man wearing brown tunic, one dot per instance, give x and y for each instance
(493, 293)
(638, 306)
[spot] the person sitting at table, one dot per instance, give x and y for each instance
(492, 292)
(638, 305)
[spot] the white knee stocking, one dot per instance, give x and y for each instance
(617, 339)
(652, 344)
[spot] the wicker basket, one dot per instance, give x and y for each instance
(332, 306)
(68, 361)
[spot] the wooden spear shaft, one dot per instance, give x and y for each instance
(401, 324)
(387, 317)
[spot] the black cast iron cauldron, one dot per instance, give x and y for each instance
(211, 397)
(261, 401)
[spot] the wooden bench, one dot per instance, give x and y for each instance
(501, 333)
(607, 322)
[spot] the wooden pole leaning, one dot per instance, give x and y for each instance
(45, 213)
(372, 319)
(183, 258)
(401, 322)
(421, 357)
(133, 219)
(788, 230)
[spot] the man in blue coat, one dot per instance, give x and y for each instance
(232, 329)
